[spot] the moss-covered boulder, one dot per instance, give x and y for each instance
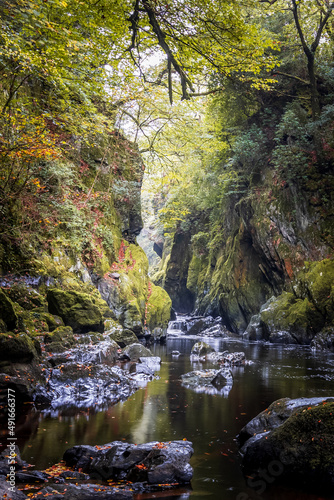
(316, 281)
(7, 311)
(26, 296)
(18, 348)
(288, 316)
(159, 306)
(31, 322)
(300, 450)
(201, 349)
(78, 310)
(124, 337)
(62, 334)
(136, 351)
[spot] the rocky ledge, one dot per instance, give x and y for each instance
(290, 442)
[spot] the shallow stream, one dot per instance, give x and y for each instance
(164, 411)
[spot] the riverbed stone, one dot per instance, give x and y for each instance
(136, 351)
(301, 445)
(7, 493)
(124, 337)
(154, 462)
(83, 492)
(207, 378)
(17, 347)
(201, 349)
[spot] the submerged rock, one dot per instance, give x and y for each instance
(294, 439)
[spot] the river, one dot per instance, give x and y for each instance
(164, 410)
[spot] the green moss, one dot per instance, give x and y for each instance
(158, 308)
(319, 283)
(297, 316)
(25, 296)
(7, 311)
(78, 310)
(124, 337)
(194, 270)
(32, 323)
(61, 334)
(17, 348)
(309, 436)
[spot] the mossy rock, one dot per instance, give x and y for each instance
(26, 296)
(52, 321)
(136, 351)
(124, 337)
(297, 317)
(78, 310)
(303, 445)
(32, 323)
(18, 348)
(324, 340)
(201, 349)
(61, 334)
(159, 306)
(111, 326)
(7, 311)
(319, 283)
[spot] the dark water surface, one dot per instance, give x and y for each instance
(164, 411)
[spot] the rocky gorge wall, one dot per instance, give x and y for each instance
(274, 243)
(81, 265)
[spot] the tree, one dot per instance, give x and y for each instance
(311, 18)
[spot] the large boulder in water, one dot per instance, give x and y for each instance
(292, 441)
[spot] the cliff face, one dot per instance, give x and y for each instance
(265, 241)
(77, 236)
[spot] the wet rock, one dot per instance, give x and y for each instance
(83, 492)
(21, 387)
(124, 337)
(70, 474)
(152, 362)
(78, 310)
(78, 385)
(29, 477)
(275, 415)
(324, 340)
(17, 348)
(216, 329)
(102, 352)
(234, 358)
(298, 449)
(159, 334)
(7, 311)
(7, 455)
(136, 351)
(155, 463)
(201, 349)
(198, 325)
(210, 381)
(10, 493)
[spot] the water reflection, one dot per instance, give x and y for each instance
(165, 410)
